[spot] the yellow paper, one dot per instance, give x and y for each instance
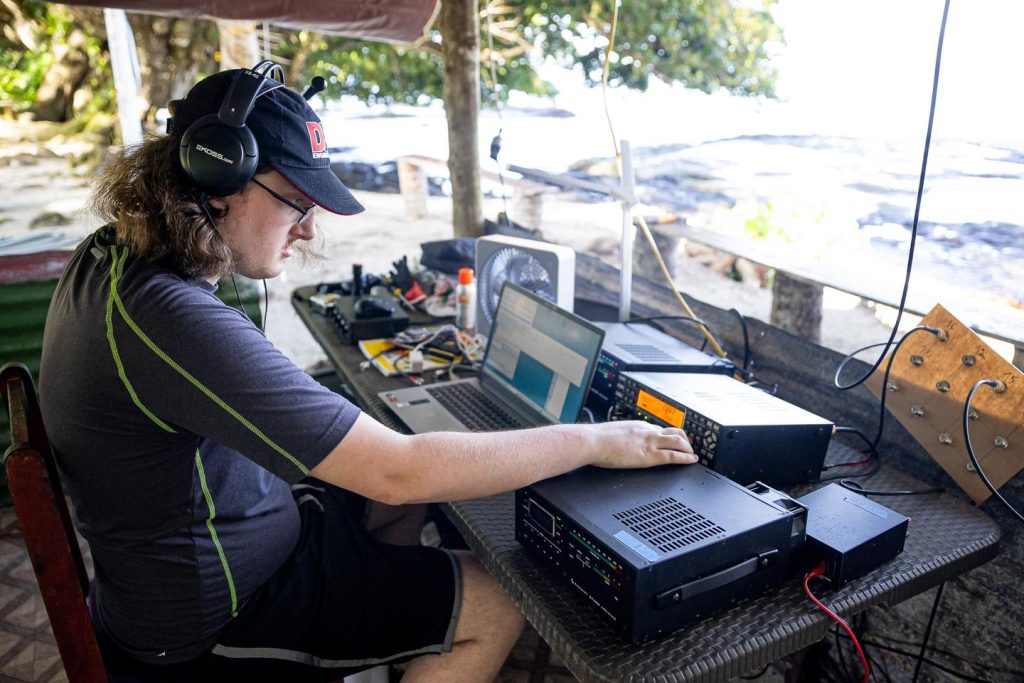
(390, 358)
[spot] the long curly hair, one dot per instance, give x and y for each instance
(157, 213)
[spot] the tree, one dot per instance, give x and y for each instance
(461, 49)
(49, 54)
(55, 62)
(704, 44)
(173, 53)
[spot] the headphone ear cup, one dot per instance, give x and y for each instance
(219, 159)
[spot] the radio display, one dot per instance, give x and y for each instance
(659, 409)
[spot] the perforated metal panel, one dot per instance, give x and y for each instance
(668, 525)
(646, 352)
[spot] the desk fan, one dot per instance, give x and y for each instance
(547, 270)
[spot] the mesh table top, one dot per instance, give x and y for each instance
(946, 537)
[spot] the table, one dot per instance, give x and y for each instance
(947, 537)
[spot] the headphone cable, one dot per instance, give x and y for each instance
(201, 201)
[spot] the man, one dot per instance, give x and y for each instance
(179, 429)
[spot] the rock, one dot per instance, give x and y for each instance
(700, 253)
(723, 264)
(607, 249)
(719, 261)
(15, 160)
(49, 218)
(751, 274)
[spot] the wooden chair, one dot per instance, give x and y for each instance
(46, 526)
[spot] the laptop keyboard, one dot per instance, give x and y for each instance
(473, 408)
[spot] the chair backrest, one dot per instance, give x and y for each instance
(46, 526)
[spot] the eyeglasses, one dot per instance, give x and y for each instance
(304, 213)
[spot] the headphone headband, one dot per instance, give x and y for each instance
(248, 86)
(218, 152)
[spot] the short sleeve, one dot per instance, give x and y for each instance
(200, 366)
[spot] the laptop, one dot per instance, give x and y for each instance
(537, 369)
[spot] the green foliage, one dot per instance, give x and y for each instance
(764, 225)
(374, 72)
(20, 76)
(704, 44)
(23, 67)
(789, 222)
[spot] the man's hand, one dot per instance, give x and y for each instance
(392, 468)
(632, 443)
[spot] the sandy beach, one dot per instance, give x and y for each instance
(44, 187)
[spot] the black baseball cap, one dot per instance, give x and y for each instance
(289, 134)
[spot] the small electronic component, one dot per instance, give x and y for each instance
(851, 534)
(323, 303)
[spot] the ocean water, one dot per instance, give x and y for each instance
(828, 172)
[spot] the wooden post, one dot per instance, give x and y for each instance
(796, 306)
(644, 262)
(239, 44)
(460, 45)
(412, 184)
(527, 206)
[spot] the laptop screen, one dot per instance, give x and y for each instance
(541, 354)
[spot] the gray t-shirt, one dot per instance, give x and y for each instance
(178, 428)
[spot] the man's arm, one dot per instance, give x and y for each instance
(394, 468)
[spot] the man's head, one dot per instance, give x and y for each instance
(162, 212)
(234, 123)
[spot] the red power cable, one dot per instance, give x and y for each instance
(818, 571)
(859, 463)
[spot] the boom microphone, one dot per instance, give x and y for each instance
(318, 85)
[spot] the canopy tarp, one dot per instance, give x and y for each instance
(389, 20)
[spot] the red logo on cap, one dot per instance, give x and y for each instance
(317, 142)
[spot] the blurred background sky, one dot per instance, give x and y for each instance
(858, 69)
(849, 69)
(866, 66)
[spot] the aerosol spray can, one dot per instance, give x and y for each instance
(465, 301)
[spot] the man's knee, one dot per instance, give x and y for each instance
(485, 605)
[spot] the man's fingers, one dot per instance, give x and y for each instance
(674, 444)
(680, 457)
(675, 441)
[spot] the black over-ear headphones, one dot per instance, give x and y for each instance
(218, 151)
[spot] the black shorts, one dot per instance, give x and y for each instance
(341, 603)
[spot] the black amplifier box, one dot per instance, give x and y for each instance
(850, 533)
(636, 346)
(657, 548)
(369, 317)
(735, 429)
